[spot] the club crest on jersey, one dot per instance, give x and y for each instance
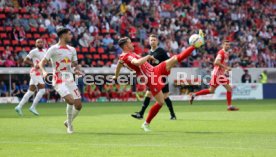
(66, 60)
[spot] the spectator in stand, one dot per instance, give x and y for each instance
(3, 89)
(6, 53)
(246, 77)
(10, 62)
(24, 88)
(15, 90)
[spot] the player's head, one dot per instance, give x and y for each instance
(39, 43)
(153, 40)
(226, 45)
(126, 44)
(64, 34)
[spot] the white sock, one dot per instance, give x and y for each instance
(75, 113)
(38, 96)
(69, 110)
(25, 98)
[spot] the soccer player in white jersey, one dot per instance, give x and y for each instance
(36, 82)
(65, 63)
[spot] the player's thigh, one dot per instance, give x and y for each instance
(212, 89)
(171, 63)
(159, 97)
(228, 87)
(74, 90)
(166, 95)
(148, 94)
(69, 99)
(32, 88)
(64, 92)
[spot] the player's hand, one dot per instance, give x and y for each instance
(228, 69)
(114, 78)
(79, 72)
(151, 58)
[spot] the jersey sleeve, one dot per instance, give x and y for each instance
(49, 53)
(30, 55)
(74, 57)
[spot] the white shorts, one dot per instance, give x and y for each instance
(66, 88)
(35, 80)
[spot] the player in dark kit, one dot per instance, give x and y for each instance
(160, 55)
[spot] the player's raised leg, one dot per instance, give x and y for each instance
(39, 95)
(25, 99)
(229, 98)
(159, 97)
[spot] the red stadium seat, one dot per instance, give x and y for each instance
(32, 42)
(15, 10)
(1, 10)
(104, 56)
(36, 36)
(94, 63)
(18, 49)
(111, 31)
(26, 16)
(6, 42)
(33, 29)
(89, 56)
(92, 50)
(41, 29)
(24, 42)
(29, 35)
(15, 42)
(100, 50)
(96, 56)
(8, 29)
(3, 35)
(27, 48)
(80, 56)
(112, 56)
(7, 10)
(2, 49)
(78, 49)
(84, 49)
(104, 31)
(23, 10)
(2, 16)
(2, 29)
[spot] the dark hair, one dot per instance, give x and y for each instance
(122, 41)
(62, 30)
(153, 36)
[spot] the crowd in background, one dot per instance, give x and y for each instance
(249, 24)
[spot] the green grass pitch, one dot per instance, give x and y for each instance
(204, 129)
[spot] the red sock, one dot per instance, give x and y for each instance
(185, 53)
(153, 112)
(229, 98)
(202, 92)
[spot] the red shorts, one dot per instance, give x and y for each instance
(218, 80)
(156, 84)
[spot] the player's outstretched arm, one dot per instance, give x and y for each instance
(41, 65)
(118, 69)
(142, 60)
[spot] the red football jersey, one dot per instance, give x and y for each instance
(223, 56)
(144, 69)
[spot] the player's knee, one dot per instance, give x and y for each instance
(212, 91)
(70, 101)
(78, 106)
(148, 94)
(229, 89)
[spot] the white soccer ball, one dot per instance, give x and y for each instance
(196, 40)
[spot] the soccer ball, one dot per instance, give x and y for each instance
(196, 40)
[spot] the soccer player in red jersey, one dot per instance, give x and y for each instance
(153, 75)
(219, 77)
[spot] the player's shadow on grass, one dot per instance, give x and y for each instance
(114, 133)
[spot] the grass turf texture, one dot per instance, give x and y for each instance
(205, 129)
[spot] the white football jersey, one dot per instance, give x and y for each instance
(36, 56)
(61, 58)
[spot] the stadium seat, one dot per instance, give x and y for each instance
(33, 29)
(84, 50)
(104, 56)
(80, 56)
(6, 42)
(27, 49)
(31, 42)
(2, 16)
(36, 35)
(8, 29)
(1, 29)
(29, 36)
(15, 42)
(3, 35)
(18, 49)
(89, 56)
(78, 49)
(15, 10)
(41, 29)
(1, 10)
(23, 11)
(112, 57)
(96, 56)
(23, 43)
(111, 31)
(100, 50)
(92, 50)
(2, 49)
